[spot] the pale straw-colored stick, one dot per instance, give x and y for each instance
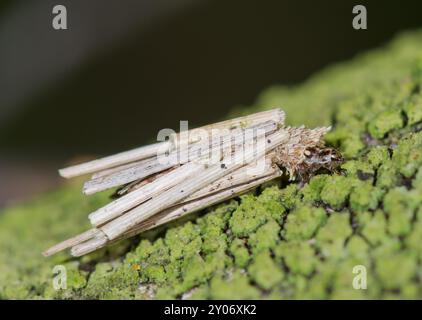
(238, 177)
(97, 242)
(286, 154)
(232, 181)
(136, 197)
(203, 202)
(154, 165)
(165, 182)
(174, 195)
(176, 212)
(80, 238)
(277, 115)
(114, 160)
(237, 181)
(132, 186)
(142, 170)
(112, 170)
(151, 150)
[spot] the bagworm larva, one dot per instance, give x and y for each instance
(192, 170)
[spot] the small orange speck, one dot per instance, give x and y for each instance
(136, 267)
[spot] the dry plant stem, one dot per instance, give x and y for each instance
(154, 165)
(176, 212)
(109, 163)
(174, 195)
(89, 246)
(142, 170)
(281, 140)
(289, 152)
(135, 185)
(150, 190)
(151, 150)
(201, 203)
(236, 182)
(134, 198)
(70, 242)
(109, 171)
(158, 191)
(276, 115)
(114, 160)
(238, 177)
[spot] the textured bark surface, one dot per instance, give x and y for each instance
(281, 241)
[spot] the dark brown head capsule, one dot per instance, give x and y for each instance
(319, 159)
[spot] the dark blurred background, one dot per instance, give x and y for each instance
(125, 69)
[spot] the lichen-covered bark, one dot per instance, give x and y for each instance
(281, 241)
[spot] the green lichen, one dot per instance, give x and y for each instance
(408, 154)
(303, 222)
(299, 256)
(413, 111)
(265, 272)
(336, 191)
(385, 122)
(109, 280)
(413, 241)
(266, 237)
(238, 287)
(253, 211)
(402, 265)
(373, 226)
(377, 156)
(417, 183)
(312, 191)
(332, 237)
(400, 206)
(365, 197)
(350, 143)
(357, 248)
(246, 219)
(281, 241)
(240, 253)
(362, 170)
(387, 175)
